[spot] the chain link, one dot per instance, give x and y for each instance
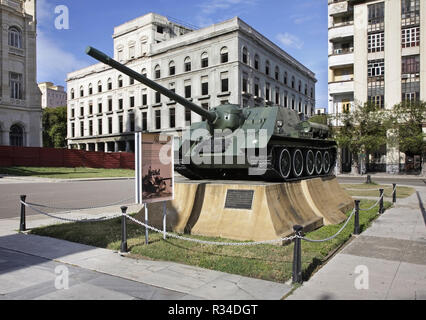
(94, 207)
(172, 235)
(378, 201)
(70, 219)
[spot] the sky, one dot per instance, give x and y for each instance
(298, 27)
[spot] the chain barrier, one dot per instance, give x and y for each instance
(336, 234)
(28, 205)
(172, 235)
(374, 205)
(94, 207)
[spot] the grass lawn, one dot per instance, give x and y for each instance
(365, 190)
(268, 262)
(66, 173)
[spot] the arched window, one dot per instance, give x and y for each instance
(245, 55)
(120, 81)
(15, 37)
(292, 82)
(109, 84)
(267, 67)
(299, 86)
(99, 86)
(90, 89)
(72, 94)
(16, 136)
(187, 64)
(285, 77)
(81, 91)
(277, 73)
(172, 68)
(157, 71)
(204, 60)
(256, 62)
(224, 55)
(143, 72)
(306, 89)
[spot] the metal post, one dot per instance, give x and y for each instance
(394, 192)
(297, 256)
(123, 231)
(368, 179)
(164, 219)
(381, 208)
(22, 224)
(356, 227)
(146, 222)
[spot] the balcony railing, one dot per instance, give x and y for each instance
(339, 51)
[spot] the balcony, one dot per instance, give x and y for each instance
(341, 32)
(341, 87)
(341, 57)
(338, 7)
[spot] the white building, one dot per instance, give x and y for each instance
(20, 109)
(376, 54)
(52, 96)
(320, 111)
(227, 62)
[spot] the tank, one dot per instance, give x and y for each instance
(269, 143)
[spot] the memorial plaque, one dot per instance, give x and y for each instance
(239, 199)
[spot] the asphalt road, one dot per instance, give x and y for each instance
(78, 194)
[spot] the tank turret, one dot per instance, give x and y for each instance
(276, 144)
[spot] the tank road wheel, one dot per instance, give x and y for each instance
(284, 163)
(297, 163)
(326, 162)
(310, 162)
(318, 162)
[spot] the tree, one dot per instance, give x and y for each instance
(54, 127)
(362, 131)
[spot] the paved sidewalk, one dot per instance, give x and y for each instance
(394, 251)
(28, 264)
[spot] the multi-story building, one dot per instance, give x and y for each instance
(319, 111)
(228, 62)
(20, 109)
(52, 96)
(376, 54)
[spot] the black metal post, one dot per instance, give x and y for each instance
(394, 192)
(368, 179)
(123, 231)
(381, 208)
(356, 227)
(22, 224)
(297, 256)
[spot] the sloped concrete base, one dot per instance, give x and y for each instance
(199, 208)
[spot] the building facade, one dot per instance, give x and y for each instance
(20, 109)
(52, 96)
(376, 54)
(228, 62)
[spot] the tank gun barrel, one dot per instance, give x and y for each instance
(102, 57)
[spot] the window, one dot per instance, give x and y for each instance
(99, 107)
(16, 86)
(204, 60)
(72, 112)
(157, 119)
(72, 130)
(16, 136)
(187, 65)
(132, 102)
(410, 12)
(286, 99)
(376, 68)
(157, 72)
(256, 88)
(204, 86)
(120, 104)
(144, 121)
(312, 93)
(267, 92)
(277, 73)
(109, 125)
(120, 81)
(411, 64)
(120, 54)
(410, 81)
(160, 29)
(131, 81)
(224, 82)
(277, 96)
(99, 87)
(132, 122)
(187, 90)
(72, 94)
(188, 115)
(293, 80)
(256, 62)
(120, 124)
(172, 68)
(172, 118)
(81, 111)
(144, 98)
(293, 102)
(299, 88)
(15, 37)
(90, 108)
(245, 82)
(82, 129)
(267, 67)
(376, 16)
(376, 42)
(109, 104)
(285, 77)
(245, 55)
(143, 72)
(81, 91)
(109, 84)
(132, 52)
(90, 128)
(90, 89)
(157, 97)
(346, 106)
(224, 55)
(100, 127)
(410, 37)
(306, 89)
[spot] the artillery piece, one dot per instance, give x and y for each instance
(260, 143)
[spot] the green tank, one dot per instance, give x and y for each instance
(269, 143)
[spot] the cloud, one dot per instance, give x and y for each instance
(53, 62)
(301, 18)
(212, 6)
(290, 40)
